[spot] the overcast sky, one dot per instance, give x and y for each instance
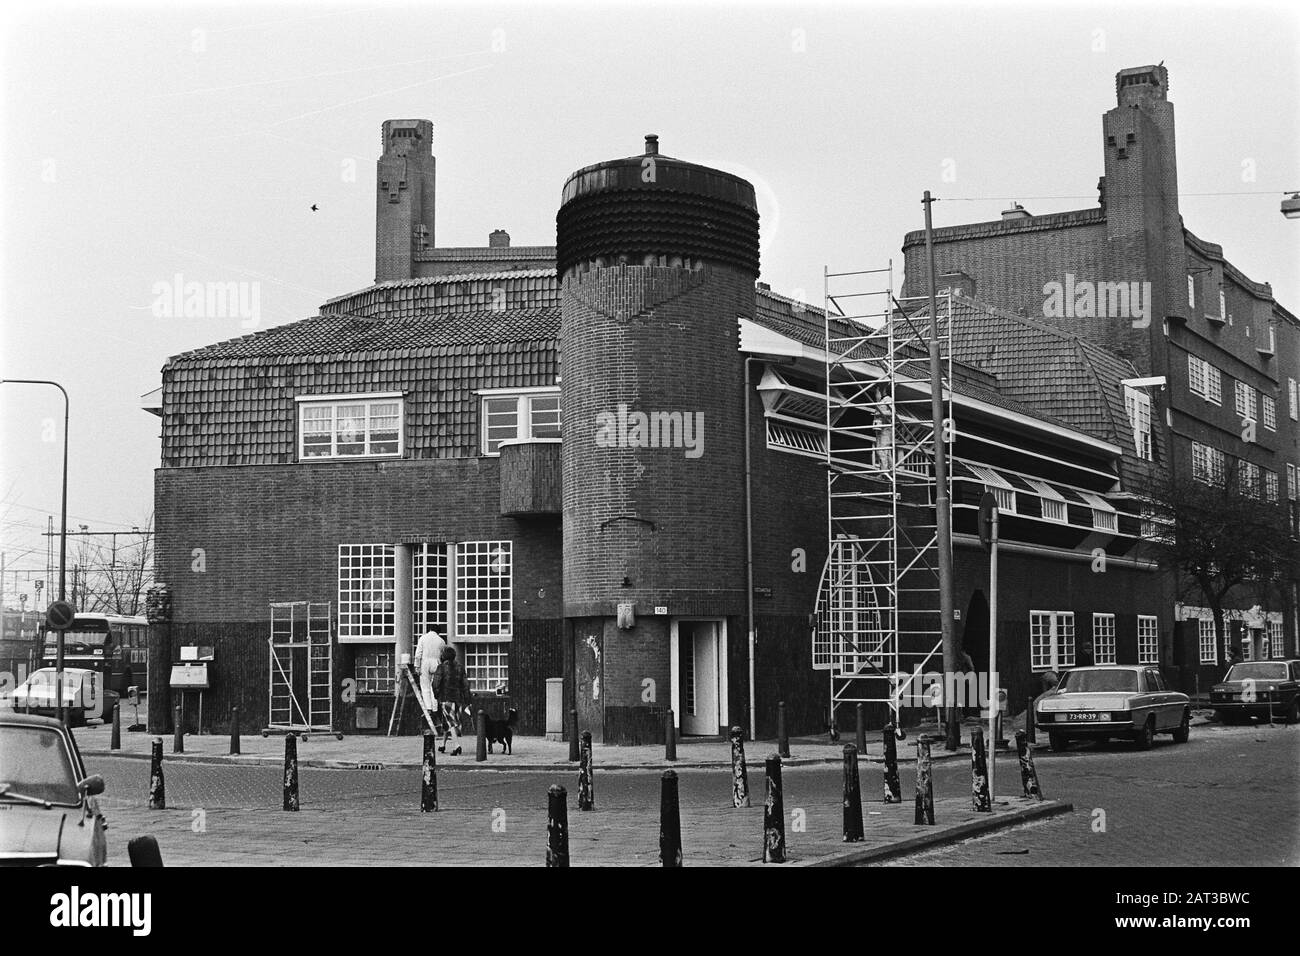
(142, 142)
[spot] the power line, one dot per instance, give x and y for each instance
(1093, 195)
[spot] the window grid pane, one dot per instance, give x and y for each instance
(1040, 640)
(374, 670)
(1065, 638)
(429, 587)
(1209, 650)
(366, 594)
(1103, 638)
(1275, 644)
(483, 590)
(1148, 639)
(487, 666)
(544, 416)
(1268, 412)
(344, 429)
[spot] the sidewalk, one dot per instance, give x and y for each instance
(530, 753)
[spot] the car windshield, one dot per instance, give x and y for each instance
(76, 642)
(1099, 681)
(1257, 670)
(34, 762)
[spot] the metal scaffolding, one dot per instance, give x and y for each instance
(301, 668)
(877, 617)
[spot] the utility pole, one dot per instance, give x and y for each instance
(942, 509)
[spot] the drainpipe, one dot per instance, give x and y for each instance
(749, 542)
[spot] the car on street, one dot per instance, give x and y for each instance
(49, 811)
(85, 698)
(1263, 689)
(1111, 700)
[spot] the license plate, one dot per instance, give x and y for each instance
(1090, 715)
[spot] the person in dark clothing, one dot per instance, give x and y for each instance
(451, 688)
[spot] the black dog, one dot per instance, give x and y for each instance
(501, 731)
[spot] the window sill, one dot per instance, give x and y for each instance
(1217, 319)
(315, 459)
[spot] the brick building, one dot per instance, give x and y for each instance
(1129, 276)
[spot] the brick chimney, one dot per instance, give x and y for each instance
(958, 283)
(1016, 211)
(498, 239)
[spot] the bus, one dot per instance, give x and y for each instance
(114, 645)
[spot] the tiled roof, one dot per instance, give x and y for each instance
(1002, 227)
(494, 253)
(443, 280)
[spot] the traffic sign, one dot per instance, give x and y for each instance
(988, 505)
(60, 615)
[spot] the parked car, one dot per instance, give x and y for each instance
(1113, 701)
(49, 814)
(1261, 689)
(85, 698)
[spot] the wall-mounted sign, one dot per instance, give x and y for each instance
(661, 609)
(763, 592)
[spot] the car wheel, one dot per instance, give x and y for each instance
(1293, 714)
(1225, 718)
(1184, 729)
(1058, 742)
(1145, 737)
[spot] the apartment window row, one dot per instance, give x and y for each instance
(1272, 642)
(470, 581)
(518, 416)
(1208, 464)
(1052, 639)
(1204, 379)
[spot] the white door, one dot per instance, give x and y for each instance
(699, 683)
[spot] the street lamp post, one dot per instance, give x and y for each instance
(63, 532)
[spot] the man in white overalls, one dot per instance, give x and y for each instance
(428, 653)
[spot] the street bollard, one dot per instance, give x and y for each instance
(1028, 775)
(557, 826)
(429, 781)
(860, 740)
(115, 741)
(739, 772)
(290, 772)
(573, 735)
(586, 785)
(143, 851)
(234, 731)
(480, 727)
(782, 738)
(178, 731)
(924, 785)
(979, 773)
(1030, 729)
(157, 788)
(670, 736)
(670, 821)
(773, 814)
(852, 796)
(893, 785)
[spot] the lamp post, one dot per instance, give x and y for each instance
(63, 531)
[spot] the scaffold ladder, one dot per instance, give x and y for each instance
(301, 668)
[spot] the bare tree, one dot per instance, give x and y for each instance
(113, 574)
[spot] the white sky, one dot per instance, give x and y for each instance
(130, 156)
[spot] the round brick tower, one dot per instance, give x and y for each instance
(657, 260)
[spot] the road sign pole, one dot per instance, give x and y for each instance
(993, 657)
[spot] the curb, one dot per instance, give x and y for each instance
(865, 855)
(325, 764)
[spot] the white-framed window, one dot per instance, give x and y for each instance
(487, 666)
(1054, 508)
(483, 591)
(1223, 305)
(1293, 399)
(1270, 485)
(1245, 401)
(366, 593)
(1204, 379)
(1138, 404)
(349, 426)
(1103, 638)
(374, 669)
(1002, 490)
(1191, 292)
(1268, 411)
(1248, 478)
(516, 415)
(1214, 385)
(1148, 639)
(1207, 464)
(1104, 517)
(1274, 642)
(429, 589)
(1051, 640)
(1291, 482)
(1209, 649)
(1247, 651)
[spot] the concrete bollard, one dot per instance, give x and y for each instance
(1028, 775)
(115, 741)
(782, 738)
(1030, 729)
(157, 788)
(480, 728)
(773, 814)
(143, 852)
(979, 773)
(860, 738)
(429, 780)
(852, 796)
(290, 772)
(178, 731)
(234, 731)
(739, 772)
(670, 821)
(586, 785)
(557, 826)
(893, 785)
(573, 735)
(924, 785)
(670, 737)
